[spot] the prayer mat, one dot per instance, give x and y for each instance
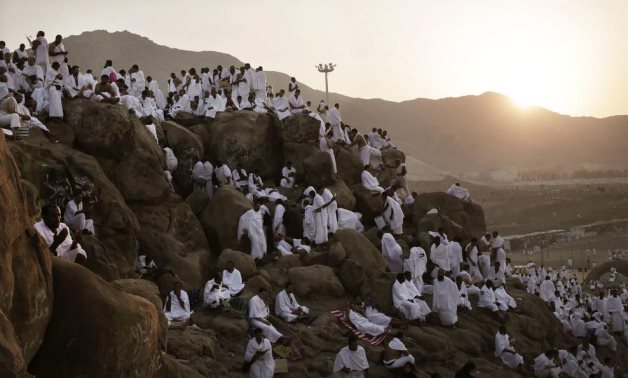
(286, 352)
(373, 340)
(239, 306)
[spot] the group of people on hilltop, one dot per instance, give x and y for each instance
(444, 269)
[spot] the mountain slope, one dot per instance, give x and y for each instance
(470, 133)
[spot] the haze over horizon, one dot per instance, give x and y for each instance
(562, 55)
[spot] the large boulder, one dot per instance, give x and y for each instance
(242, 261)
(390, 155)
(432, 222)
(172, 236)
(221, 217)
(369, 204)
(188, 148)
(58, 171)
(123, 146)
(467, 215)
(247, 140)
(359, 249)
(300, 129)
(297, 153)
(318, 169)
(344, 195)
(87, 344)
(379, 287)
(352, 276)
(315, 281)
(348, 165)
(26, 289)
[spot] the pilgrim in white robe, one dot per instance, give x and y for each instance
(259, 86)
(288, 175)
(506, 352)
(370, 182)
(179, 312)
(326, 147)
(138, 84)
(332, 215)
(377, 317)
(263, 367)
(484, 262)
(577, 325)
(282, 107)
(603, 338)
(160, 99)
(240, 178)
(440, 257)
(547, 290)
(320, 220)
(232, 281)
(309, 223)
(223, 175)
(213, 104)
(458, 192)
(286, 305)
(278, 226)
(335, 119)
(202, 175)
(259, 310)
(73, 85)
(487, 299)
(33, 121)
(544, 367)
(214, 297)
(615, 309)
(474, 268)
(349, 220)
(171, 160)
(54, 87)
(445, 301)
(393, 215)
(355, 361)
(506, 302)
(404, 300)
(392, 252)
(251, 224)
(77, 221)
(416, 264)
(41, 53)
(403, 360)
(64, 250)
(463, 297)
(454, 251)
(362, 324)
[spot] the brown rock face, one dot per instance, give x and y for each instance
(318, 169)
(359, 249)
(242, 261)
(467, 215)
(297, 153)
(25, 274)
(187, 147)
(300, 129)
(57, 168)
(221, 217)
(349, 166)
(109, 331)
(315, 281)
(247, 140)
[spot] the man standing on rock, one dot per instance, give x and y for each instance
(320, 217)
(252, 225)
(57, 235)
(445, 299)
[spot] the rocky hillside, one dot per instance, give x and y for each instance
(470, 133)
(60, 319)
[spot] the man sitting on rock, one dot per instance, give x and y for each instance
(351, 361)
(177, 305)
(289, 246)
(232, 279)
(215, 294)
(74, 215)
(287, 176)
(370, 182)
(258, 316)
(505, 351)
(459, 192)
(57, 235)
(407, 299)
(396, 355)
(286, 306)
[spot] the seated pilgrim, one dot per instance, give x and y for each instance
(287, 307)
(351, 360)
(215, 294)
(396, 355)
(407, 299)
(370, 182)
(458, 191)
(58, 237)
(177, 305)
(258, 316)
(74, 215)
(232, 279)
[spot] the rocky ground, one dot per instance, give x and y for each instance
(60, 319)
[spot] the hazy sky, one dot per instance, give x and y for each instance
(570, 56)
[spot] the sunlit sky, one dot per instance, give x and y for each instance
(570, 56)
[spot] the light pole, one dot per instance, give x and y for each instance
(327, 68)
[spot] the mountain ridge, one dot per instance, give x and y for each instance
(454, 134)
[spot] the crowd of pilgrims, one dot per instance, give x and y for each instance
(33, 81)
